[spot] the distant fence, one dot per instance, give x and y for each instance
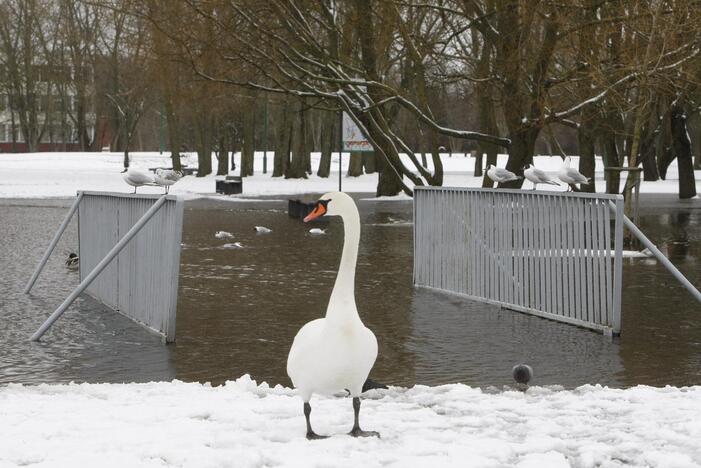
(142, 281)
(551, 254)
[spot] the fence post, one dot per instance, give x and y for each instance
(617, 266)
(99, 267)
(53, 243)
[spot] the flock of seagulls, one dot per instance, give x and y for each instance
(137, 177)
(568, 175)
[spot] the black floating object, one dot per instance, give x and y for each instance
(522, 373)
(371, 384)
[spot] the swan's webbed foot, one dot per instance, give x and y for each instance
(311, 435)
(358, 432)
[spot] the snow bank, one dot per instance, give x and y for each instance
(45, 175)
(242, 424)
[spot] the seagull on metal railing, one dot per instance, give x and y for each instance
(137, 177)
(537, 176)
(499, 175)
(571, 176)
(167, 177)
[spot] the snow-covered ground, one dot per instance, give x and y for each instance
(43, 175)
(242, 424)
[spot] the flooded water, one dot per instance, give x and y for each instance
(239, 308)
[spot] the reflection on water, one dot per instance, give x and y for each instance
(239, 308)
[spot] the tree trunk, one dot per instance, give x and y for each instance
(173, 133)
(223, 157)
(387, 181)
(520, 154)
(682, 149)
(611, 159)
(355, 165)
(283, 132)
(327, 134)
(203, 135)
(369, 163)
(478, 163)
(585, 137)
(647, 156)
(665, 153)
(297, 169)
(249, 130)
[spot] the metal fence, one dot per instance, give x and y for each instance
(551, 254)
(142, 281)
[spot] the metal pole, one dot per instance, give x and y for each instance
(99, 267)
(340, 149)
(617, 266)
(660, 256)
(265, 137)
(53, 243)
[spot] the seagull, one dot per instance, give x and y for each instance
(571, 176)
(223, 235)
(167, 177)
(500, 175)
(317, 231)
(72, 261)
(137, 177)
(235, 245)
(537, 176)
(262, 230)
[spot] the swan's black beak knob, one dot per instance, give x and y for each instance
(318, 211)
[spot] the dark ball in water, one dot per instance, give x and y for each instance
(522, 373)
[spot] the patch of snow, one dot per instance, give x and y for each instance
(243, 424)
(49, 175)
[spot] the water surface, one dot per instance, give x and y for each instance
(239, 308)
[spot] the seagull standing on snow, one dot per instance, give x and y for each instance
(537, 176)
(167, 177)
(571, 176)
(499, 175)
(137, 177)
(262, 229)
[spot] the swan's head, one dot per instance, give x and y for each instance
(330, 204)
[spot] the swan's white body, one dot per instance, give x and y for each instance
(137, 177)
(538, 177)
(570, 175)
(335, 353)
(497, 174)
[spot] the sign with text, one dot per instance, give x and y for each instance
(353, 138)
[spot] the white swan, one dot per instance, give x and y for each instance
(335, 353)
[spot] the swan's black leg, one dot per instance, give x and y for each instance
(311, 435)
(357, 431)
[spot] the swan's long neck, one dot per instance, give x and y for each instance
(341, 306)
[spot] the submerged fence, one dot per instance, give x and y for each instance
(552, 254)
(142, 281)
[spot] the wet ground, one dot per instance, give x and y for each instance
(239, 308)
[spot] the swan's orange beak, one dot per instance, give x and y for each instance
(319, 210)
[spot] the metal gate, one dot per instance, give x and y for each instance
(142, 282)
(552, 254)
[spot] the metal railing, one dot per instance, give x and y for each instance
(551, 254)
(129, 251)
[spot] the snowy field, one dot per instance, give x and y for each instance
(242, 424)
(45, 175)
